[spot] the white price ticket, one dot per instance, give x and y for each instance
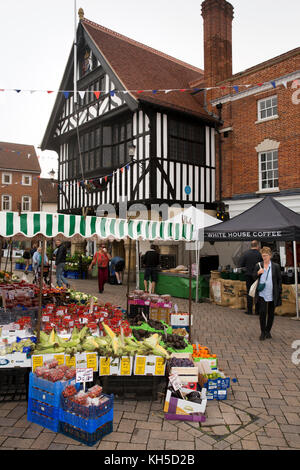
(84, 375)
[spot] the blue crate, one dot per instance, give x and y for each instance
(216, 395)
(46, 391)
(85, 437)
(217, 384)
(42, 408)
(85, 424)
(91, 412)
(48, 422)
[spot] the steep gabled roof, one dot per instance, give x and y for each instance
(18, 157)
(140, 67)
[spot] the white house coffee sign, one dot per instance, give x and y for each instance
(243, 235)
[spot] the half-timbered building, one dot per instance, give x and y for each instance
(130, 94)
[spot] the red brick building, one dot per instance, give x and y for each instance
(258, 144)
(19, 177)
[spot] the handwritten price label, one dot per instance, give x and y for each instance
(84, 375)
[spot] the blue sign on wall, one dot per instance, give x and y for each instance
(188, 190)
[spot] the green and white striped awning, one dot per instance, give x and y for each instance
(32, 224)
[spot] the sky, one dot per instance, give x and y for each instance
(36, 38)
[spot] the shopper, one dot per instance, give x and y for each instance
(60, 254)
(37, 262)
(248, 261)
(101, 259)
(117, 265)
(26, 256)
(268, 292)
(151, 263)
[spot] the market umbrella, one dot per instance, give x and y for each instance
(268, 220)
(199, 219)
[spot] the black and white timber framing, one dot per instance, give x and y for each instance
(162, 167)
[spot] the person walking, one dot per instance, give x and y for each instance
(37, 263)
(60, 254)
(268, 292)
(151, 263)
(101, 259)
(26, 256)
(117, 265)
(248, 261)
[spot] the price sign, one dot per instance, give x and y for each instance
(160, 366)
(84, 375)
(125, 366)
(140, 364)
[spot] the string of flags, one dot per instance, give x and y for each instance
(100, 184)
(98, 93)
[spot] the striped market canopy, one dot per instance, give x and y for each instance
(51, 225)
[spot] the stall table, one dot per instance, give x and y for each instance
(177, 285)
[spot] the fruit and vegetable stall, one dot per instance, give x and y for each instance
(80, 353)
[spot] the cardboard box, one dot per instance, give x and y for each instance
(149, 365)
(180, 319)
(184, 407)
(118, 366)
(16, 359)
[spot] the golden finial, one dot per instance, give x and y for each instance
(81, 14)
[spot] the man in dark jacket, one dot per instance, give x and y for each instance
(248, 261)
(151, 262)
(60, 260)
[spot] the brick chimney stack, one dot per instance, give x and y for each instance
(217, 16)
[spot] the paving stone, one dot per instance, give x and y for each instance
(156, 444)
(18, 443)
(130, 446)
(250, 444)
(271, 441)
(55, 446)
(74, 447)
(118, 437)
(106, 445)
(220, 430)
(148, 425)
(185, 435)
(164, 435)
(231, 418)
(202, 445)
(180, 445)
(18, 412)
(135, 416)
(221, 445)
(11, 431)
(43, 442)
(126, 425)
(140, 436)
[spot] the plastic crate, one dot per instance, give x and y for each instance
(91, 412)
(42, 408)
(36, 417)
(216, 395)
(46, 391)
(217, 384)
(85, 424)
(85, 437)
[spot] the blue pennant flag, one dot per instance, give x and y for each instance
(236, 88)
(112, 93)
(273, 83)
(154, 91)
(18, 91)
(66, 93)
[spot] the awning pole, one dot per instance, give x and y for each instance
(41, 291)
(190, 296)
(296, 280)
(128, 274)
(137, 265)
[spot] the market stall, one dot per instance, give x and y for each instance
(67, 339)
(267, 221)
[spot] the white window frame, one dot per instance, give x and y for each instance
(2, 202)
(272, 169)
(23, 180)
(7, 174)
(259, 110)
(27, 202)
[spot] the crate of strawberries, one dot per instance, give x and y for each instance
(86, 410)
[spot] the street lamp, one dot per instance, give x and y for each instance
(131, 151)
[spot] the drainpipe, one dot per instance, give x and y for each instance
(219, 108)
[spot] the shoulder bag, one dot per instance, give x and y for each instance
(252, 290)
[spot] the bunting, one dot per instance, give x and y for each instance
(98, 93)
